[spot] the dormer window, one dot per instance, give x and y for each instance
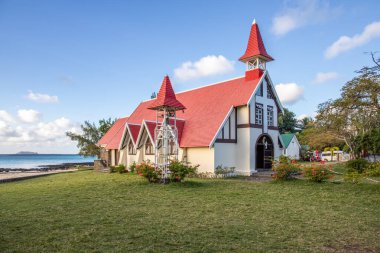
(149, 147)
(259, 114)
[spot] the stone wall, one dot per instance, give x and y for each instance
(100, 165)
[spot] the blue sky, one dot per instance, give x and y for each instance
(64, 62)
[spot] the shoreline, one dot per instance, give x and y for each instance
(46, 168)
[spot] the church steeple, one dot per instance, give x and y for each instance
(255, 56)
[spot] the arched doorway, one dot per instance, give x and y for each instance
(264, 152)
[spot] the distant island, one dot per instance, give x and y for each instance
(26, 153)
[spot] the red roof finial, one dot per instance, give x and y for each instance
(166, 98)
(255, 45)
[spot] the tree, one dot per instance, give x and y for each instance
(317, 139)
(287, 121)
(356, 112)
(304, 122)
(91, 134)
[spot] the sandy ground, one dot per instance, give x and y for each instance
(19, 174)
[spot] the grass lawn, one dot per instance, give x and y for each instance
(87, 211)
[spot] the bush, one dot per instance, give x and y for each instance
(225, 171)
(373, 170)
(284, 169)
(180, 170)
(149, 171)
(112, 169)
(353, 177)
(358, 165)
(132, 167)
(121, 168)
(317, 173)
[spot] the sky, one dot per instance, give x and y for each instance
(64, 62)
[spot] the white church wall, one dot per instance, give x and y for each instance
(203, 156)
(123, 158)
(255, 133)
(274, 134)
(225, 154)
(243, 115)
(242, 152)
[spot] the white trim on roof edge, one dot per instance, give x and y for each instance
(143, 125)
(275, 93)
(257, 85)
(221, 126)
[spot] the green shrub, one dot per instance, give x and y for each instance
(149, 171)
(180, 170)
(284, 169)
(225, 171)
(353, 177)
(112, 169)
(373, 170)
(121, 168)
(358, 165)
(317, 173)
(132, 167)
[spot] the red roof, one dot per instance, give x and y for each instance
(166, 97)
(112, 138)
(206, 109)
(151, 125)
(255, 45)
(134, 131)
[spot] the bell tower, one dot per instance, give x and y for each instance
(255, 56)
(166, 133)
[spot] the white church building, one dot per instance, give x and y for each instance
(232, 123)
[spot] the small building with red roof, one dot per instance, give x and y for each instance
(232, 123)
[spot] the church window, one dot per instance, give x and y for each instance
(149, 148)
(131, 149)
(259, 114)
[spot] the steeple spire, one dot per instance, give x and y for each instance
(255, 55)
(166, 98)
(255, 46)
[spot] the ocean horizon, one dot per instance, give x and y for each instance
(30, 161)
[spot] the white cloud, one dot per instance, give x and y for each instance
(4, 115)
(29, 116)
(289, 93)
(206, 66)
(40, 133)
(301, 13)
(323, 77)
(41, 98)
(345, 43)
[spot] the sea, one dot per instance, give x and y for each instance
(29, 161)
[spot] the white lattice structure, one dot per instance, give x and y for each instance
(166, 140)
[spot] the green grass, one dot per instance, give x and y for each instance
(87, 211)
